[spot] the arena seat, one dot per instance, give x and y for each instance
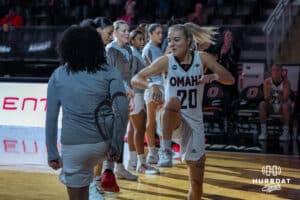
(214, 109)
(253, 55)
(8, 50)
(29, 51)
(246, 113)
(8, 44)
(274, 125)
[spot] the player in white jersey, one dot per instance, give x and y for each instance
(276, 100)
(182, 111)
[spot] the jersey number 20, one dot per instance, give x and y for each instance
(190, 95)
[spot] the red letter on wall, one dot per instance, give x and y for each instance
(9, 103)
(30, 99)
(26, 149)
(46, 103)
(10, 146)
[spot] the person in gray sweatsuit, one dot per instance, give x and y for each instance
(94, 107)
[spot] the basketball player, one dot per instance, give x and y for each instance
(119, 55)
(151, 52)
(182, 118)
(138, 115)
(102, 25)
(105, 27)
(276, 100)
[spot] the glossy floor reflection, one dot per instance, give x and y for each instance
(250, 143)
(228, 176)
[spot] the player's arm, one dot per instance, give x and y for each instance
(158, 67)
(286, 91)
(220, 73)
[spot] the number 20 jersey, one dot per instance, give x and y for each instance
(185, 85)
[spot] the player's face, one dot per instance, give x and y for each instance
(106, 34)
(138, 42)
(276, 72)
(122, 34)
(178, 43)
(157, 35)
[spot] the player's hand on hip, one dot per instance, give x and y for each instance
(130, 93)
(157, 95)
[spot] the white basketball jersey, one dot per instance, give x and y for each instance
(184, 84)
(276, 95)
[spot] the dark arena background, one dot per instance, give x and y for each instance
(240, 163)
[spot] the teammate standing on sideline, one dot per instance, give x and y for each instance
(119, 55)
(137, 117)
(105, 29)
(151, 52)
(102, 25)
(81, 87)
(182, 117)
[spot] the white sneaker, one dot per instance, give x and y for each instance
(131, 165)
(147, 169)
(122, 173)
(152, 157)
(263, 136)
(285, 136)
(95, 191)
(165, 158)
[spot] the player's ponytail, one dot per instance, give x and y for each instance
(201, 34)
(196, 33)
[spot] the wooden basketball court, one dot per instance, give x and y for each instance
(227, 176)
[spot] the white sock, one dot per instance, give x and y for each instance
(152, 150)
(166, 144)
(132, 155)
(141, 159)
(108, 165)
(263, 128)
